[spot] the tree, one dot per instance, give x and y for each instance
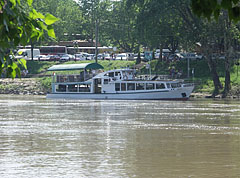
(70, 17)
(230, 11)
(20, 24)
(119, 27)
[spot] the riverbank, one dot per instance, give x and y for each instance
(23, 86)
(33, 86)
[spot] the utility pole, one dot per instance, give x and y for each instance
(31, 49)
(96, 41)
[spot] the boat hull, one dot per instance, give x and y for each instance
(173, 94)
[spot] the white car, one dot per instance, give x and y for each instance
(80, 57)
(38, 57)
(65, 57)
(90, 56)
(107, 56)
(122, 56)
(193, 56)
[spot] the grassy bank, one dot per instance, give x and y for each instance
(201, 76)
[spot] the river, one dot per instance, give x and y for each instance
(118, 139)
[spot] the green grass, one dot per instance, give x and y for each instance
(37, 67)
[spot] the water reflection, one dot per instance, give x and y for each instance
(72, 138)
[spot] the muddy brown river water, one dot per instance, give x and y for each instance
(118, 139)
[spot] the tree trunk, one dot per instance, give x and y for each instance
(215, 77)
(160, 59)
(160, 55)
(213, 70)
(227, 86)
(228, 54)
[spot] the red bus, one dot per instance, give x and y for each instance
(53, 50)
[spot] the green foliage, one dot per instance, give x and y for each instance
(21, 24)
(71, 20)
(46, 83)
(207, 8)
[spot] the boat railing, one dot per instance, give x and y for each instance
(187, 85)
(71, 78)
(153, 77)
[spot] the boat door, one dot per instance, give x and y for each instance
(97, 86)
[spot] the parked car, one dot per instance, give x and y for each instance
(107, 56)
(38, 57)
(141, 56)
(90, 56)
(103, 56)
(130, 56)
(176, 56)
(193, 56)
(80, 57)
(54, 57)
(122, 56)
(65, 57)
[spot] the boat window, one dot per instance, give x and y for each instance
(117, 86)
(117, 74)
(84, 88)
(175, 85)
(149, 86)
(111, 74)
(72, 88)
(168, 85)
(105, 81)
(123, 86)
(140, 86)
(160, 86)
(61, 88)
(70, 78)
(131, 86)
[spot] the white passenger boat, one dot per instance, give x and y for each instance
(119, 84)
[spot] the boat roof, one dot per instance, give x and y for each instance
(81, 66)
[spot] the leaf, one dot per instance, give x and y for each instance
(50, 19)
(226, 4)
(14, 66)
(18, 72)
(30, 2)
(13, 74)
(51, 32)
(20, 52)
(36, 15)
(13, 2)
(23, 62)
